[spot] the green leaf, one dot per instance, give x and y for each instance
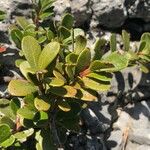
(50, 35)
(120, 61)
(29, 101)
(8, 121)
(113, 43)
(21, 88)
(126, 40)
(41, 116)
(45, 15)
(41, 105)
(80, 44)
(99, 44)
(70, 119)
(15, 104)
(64, 106)
(96, 85)
(144, 68)
(48, 54)
(5, 109)
(146, 38)
(24, 68)
(16, 36)
(22, 22)
(64, 32)
(71, 58)
(55, 82)
(67, 21)
(42, 39)
(22, 136)
(142, 46)
(31, 50)
(99, 66)
(102, 76)
(26, 113)
(8, 142)
(70, 71)
(58, 75)
(2, 15)
(83, 60)
(44, 140)
(86, 95)
(4, 132)
(65, 91)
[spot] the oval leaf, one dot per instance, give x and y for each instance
(80, 44)
(31, 50)
(41, 105)
(21, 88)
(64, 106)
(83, 60)
(26, 113)
(65, 91)
(4, 132)
(48, 54)
(96, 85)
(100, 76)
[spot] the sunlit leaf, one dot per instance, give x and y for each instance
(64, 106)
(48, 54)
(41, 105)
(96, 85)
(31, 50)
(21, 88)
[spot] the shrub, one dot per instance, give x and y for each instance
(61, 75)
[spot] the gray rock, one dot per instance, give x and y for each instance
(109, 13)
(135, 146)
(138, 9)
(133, 121)
(141, 136)
(81, 11)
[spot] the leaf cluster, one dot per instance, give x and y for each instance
(60, 75)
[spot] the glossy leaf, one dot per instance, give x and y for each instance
(48, 54)
(21, 88)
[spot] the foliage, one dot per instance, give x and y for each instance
(61, 74)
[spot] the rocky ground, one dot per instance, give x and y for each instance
(121, 119)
